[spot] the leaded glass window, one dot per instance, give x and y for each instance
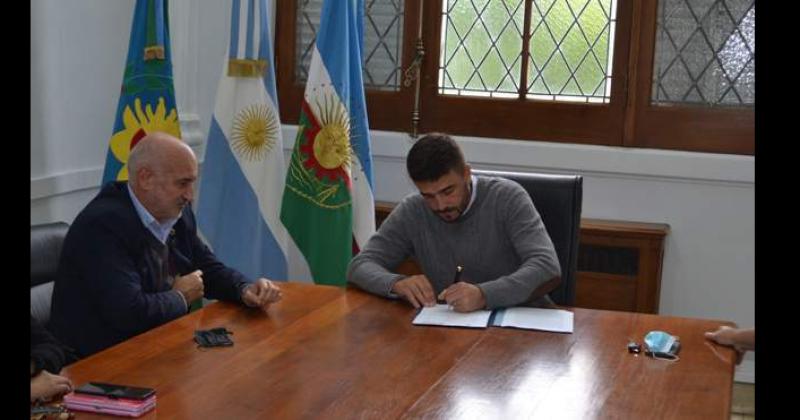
(705, 53)
(570, 49)
(383, 41)
(481, 45)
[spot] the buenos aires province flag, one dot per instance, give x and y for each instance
(242, 176)
(328, 206)
(147, 96)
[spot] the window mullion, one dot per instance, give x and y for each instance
(526, 39)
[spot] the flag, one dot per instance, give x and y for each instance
(328, 205)
(242, 176)
(147, 97)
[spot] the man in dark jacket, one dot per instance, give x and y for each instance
(132, 259)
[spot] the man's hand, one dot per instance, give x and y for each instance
(725, 335)
(417, 290)
(190, 286)
(463, 297)
(45, 386)
(261, 294)
(740, 339)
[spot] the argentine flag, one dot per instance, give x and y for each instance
(243, 173)
(328, 205)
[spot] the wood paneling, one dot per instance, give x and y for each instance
(638, 293)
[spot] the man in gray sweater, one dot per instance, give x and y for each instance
(488, 226)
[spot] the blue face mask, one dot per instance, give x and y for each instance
(661, 344)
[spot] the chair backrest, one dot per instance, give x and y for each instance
(46, 242)
(558, 200)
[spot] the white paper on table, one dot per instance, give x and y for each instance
(441, 314)
(557, 320)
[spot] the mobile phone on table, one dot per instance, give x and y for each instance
(115, 390)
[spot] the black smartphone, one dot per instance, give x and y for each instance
(115, 391)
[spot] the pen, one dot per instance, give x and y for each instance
(457, 278)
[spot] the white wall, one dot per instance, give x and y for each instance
(78, 52)
(78, 49)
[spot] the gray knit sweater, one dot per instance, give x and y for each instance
(500, 241)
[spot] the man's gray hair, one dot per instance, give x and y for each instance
(142, 155)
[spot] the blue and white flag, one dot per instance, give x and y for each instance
(328, 205)
(243, 174)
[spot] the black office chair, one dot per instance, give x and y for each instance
(46, 242)
(558, 200)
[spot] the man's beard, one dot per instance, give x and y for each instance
(460, 209)
(441, 214)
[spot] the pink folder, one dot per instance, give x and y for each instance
(115, 406)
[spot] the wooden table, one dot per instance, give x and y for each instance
(326, 352)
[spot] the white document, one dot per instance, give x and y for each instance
(441, 314)
(557, 320)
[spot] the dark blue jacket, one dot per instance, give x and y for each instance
(109, 285)
(46, 352)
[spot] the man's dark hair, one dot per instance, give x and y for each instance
(433, 156)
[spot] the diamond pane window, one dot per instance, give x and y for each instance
(481, 47)
(570, 49)
(383, 41)
(705, 53)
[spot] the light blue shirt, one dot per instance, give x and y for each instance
(160, 230)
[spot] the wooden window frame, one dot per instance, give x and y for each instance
(690, 128)
(518, 118)
(628, 120)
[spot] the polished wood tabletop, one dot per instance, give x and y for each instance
(328, 352)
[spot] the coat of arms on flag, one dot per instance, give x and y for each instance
(328, 205)
(242, 177)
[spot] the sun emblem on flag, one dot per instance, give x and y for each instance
(255, 131)
(138, 123)
(329, 152)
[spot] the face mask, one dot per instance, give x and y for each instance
(662, 345)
